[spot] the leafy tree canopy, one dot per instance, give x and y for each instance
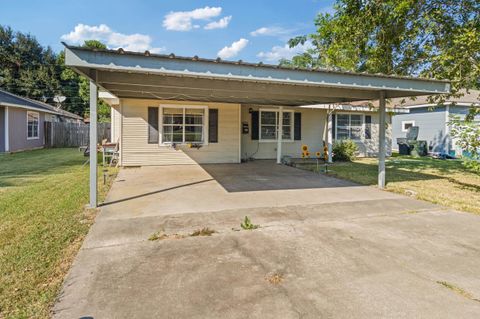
(28, 69)
(433, 38)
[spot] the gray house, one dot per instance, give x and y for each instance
(432, 120)
(22, 122)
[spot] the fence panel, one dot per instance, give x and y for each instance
(60, 134)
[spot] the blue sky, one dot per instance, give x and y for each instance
(204, 28)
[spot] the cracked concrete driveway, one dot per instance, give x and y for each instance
(337, 250)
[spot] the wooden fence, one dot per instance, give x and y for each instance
(59, 134)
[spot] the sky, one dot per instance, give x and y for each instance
(230, 29)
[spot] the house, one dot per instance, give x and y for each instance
(22, 122)
(170, 110)
(433, 119)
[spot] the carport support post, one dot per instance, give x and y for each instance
(279, 135)
(381, 141)
(330, 135)
(93, 144)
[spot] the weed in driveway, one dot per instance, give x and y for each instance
(162, 235)
(248, 225)
(457, 290)
(203, 232)
(274, 278)
(157, 236)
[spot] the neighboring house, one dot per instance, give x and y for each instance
(432, 120)
(22, 122)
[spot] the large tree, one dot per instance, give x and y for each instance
(28, 69)
(434, 38)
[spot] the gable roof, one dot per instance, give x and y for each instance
(13, 100)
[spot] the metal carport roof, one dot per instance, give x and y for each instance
(168, 77)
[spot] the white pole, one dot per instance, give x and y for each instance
(381, 146)
(7, 130)
(279, 135)
(93, 144)
(330, 136)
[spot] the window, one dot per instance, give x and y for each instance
(33, 119)
(269, 125)
(183, 124)
(406, 125)
(349, 126)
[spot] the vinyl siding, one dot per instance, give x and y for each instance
(313, 124)
(18, 130)
(432, 126)
(115, 117)
(313, 135)
(135, 150)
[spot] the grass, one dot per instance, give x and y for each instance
(444, 182)
(43, 221)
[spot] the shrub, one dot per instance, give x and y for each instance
(344, 150)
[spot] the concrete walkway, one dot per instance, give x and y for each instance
(325, 249)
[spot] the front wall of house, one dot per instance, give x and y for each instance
(431, 125)
(313, 135)
(18, 130)
(369, 148)
(135, 149)
(313, 125)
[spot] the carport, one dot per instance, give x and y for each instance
(168, 77)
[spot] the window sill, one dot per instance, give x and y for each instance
(276, 141)
(32, 138)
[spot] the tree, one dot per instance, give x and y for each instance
(434, 38)
(467, 135)
(430, 38)
(27, 68)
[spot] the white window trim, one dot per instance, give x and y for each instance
(183, 106)
(292, 124)
(407, 122)
(362, 133)
(37, 115)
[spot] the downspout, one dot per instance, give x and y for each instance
(7, 130)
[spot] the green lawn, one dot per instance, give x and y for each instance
(445, 182)
(43, 221)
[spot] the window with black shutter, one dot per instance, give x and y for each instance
(255, 128)
(297, 126)
(152, 125)
(368, 127)
(213, 125)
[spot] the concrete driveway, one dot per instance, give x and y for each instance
(326, 248)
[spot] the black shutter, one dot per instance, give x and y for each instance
(152, 125)
(213, 125)
(368, 127)
(334, 125)
(255, 123)
(297, 127)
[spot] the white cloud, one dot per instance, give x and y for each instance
(182, 20)
(220, 24)
(232, 50)
(283, 52)
(114, 40)
(270, 31)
